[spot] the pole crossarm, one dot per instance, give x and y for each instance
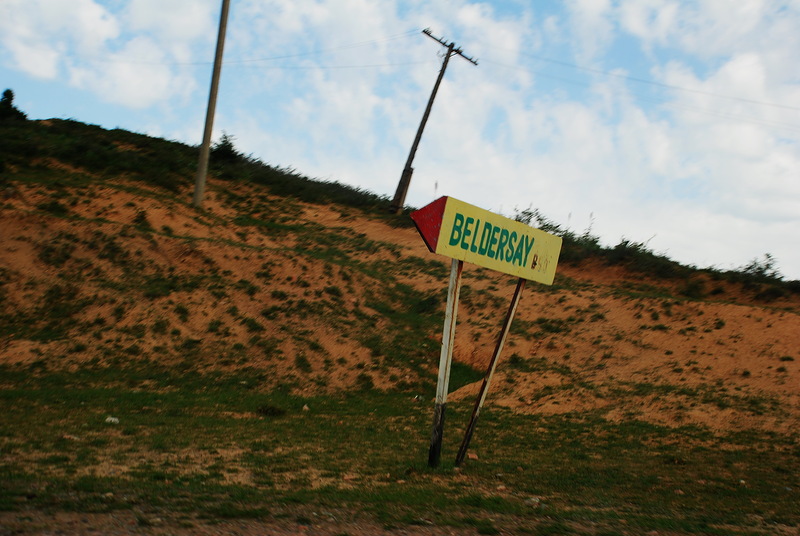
(456, 50)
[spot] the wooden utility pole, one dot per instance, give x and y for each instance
(405, 178)
(205, 148)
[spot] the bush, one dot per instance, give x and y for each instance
(302, 363)
(364, 382)
(53, 207)
(636, 256)
(224, 151)
(694, 288)
(7, 109)
(762, 269)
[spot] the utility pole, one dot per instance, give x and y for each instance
(205, 148)
(405, 178)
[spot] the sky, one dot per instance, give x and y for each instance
(675, 124)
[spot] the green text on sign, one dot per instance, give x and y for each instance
(462, 231)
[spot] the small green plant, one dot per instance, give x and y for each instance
(695, 289)
(55, 253)
(762, 269)
(268, 410)
(655, 327)
(279, 295)
(118, 312)
(252, 325)
(302, 363)
(136, 330)
(552, 325)
(183, 312)
(516, 361)
(53, 207)
(141, 222)
(486, 527)
(334, 291)
(364, 381)
(271, 313)
(249, 288)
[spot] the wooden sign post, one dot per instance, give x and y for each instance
(445, 360)
(467, 233)
(487, 379)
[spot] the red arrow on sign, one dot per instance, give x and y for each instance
(428, 220)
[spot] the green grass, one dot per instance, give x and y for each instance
(220, 446)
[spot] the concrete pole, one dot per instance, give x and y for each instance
(205, 148)
(405, 178)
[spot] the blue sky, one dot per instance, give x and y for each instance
(675, 124)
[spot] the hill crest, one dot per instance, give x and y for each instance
(104, 262)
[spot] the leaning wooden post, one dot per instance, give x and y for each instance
(445, 359)
(487, 379)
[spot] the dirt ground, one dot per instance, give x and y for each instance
(127, 523)
(635, 341)
(611, 327)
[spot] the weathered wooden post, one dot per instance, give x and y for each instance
(487, 379)
(445, 360)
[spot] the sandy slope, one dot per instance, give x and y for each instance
(602, 339)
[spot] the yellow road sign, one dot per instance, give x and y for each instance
(462, 231)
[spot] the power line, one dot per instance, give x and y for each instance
(316, 52)
(327, 50)
(757, 121)
(333, 67)
(661, 84)
(653, 82)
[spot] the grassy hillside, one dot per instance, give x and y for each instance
(269, 360)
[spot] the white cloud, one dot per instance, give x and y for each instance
(135, 85)
(37, 59)
(593, 28)
(483, 29)
(176, 24)
(652, 21)
(174, 20)
(124, 58)
(711, 28)
(41, 33)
